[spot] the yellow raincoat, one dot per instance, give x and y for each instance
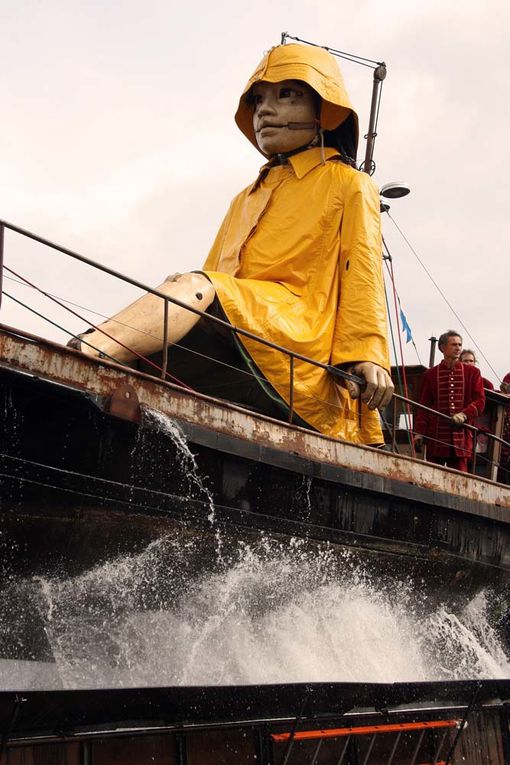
(298, 262)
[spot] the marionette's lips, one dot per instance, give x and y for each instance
(269, 125)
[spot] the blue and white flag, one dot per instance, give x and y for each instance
(405, 327)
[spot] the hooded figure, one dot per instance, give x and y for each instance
(297, 261)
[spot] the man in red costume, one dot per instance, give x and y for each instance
(454, 389)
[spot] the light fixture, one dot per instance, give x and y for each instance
(394, 190)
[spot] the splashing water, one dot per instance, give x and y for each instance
(272, 613)
(211, 608)
(163, 423)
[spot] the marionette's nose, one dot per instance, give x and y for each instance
(266, 105)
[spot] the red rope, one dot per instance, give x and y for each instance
(404, 377)
(85, 321)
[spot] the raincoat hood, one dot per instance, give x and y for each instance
(314, 66)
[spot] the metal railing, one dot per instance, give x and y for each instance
(341, 374)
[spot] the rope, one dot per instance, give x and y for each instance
(390, 322)
(369, 62)
(406, 391)
(58, 326)
(389, 257)
(70, 310)
(225, 364)
(436, 285)
(403, 387)
(397, 365)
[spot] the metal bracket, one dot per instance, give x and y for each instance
(124, 404)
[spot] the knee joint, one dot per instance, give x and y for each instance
(197, 286)
(203, 290)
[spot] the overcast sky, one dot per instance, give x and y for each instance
(118, 140)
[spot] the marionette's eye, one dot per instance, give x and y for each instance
(290, 93)
(254, 99)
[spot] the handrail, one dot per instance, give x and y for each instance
(335, 371)
(176, 301)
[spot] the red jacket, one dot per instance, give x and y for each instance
(459, 389)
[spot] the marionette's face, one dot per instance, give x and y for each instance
(452, 350)
(284, 115)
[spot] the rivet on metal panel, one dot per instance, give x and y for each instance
(123, 403)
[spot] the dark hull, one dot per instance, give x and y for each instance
(81, 486)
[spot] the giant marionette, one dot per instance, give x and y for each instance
(297, 261)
